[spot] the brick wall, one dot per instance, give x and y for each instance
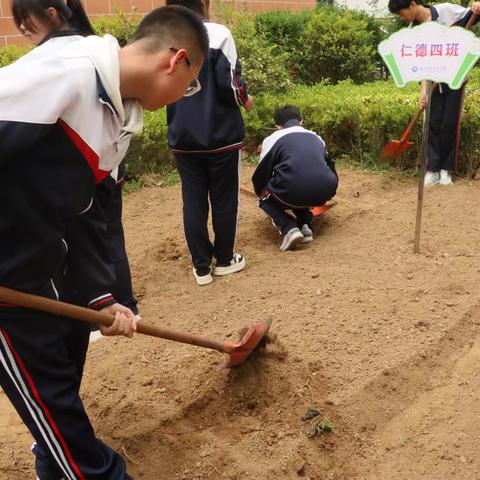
(95, 8)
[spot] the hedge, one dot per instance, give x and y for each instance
(279, 50)
(354, 120)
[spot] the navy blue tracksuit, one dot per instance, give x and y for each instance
(294, 173)
(55, 144)
(205, 134)
(446, 104)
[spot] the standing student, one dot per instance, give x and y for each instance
(295, 173)
(446, 104)
(205, 133)
(68, 19)
(67, 111)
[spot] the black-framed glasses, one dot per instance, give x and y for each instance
(195, 86)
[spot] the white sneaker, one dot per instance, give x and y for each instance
(292, 238)
(445, 178)
(204, 279)
(237, 263)
(307, 234)
(431, 178)
(95, 335)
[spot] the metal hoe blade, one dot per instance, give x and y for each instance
(239, 352)
(394, 149)
(316, 211)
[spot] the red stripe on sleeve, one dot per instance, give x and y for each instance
(90, 156)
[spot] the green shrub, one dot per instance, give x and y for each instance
(11, 53)
(340, 44)
(264, 66)
(148, 152)
(285, 30)
(355, 121)
(121, 25)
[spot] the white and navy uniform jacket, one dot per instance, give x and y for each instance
(63, 128)
(450, 14)
(293, 168)
(210, 121)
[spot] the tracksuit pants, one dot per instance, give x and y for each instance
(108, 195)
(41, 366)
(122, 288)
(213, 177)
(443, 136)
(276, 210)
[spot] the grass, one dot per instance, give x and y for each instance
(321, 428)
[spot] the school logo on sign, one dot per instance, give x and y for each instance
(430, 51)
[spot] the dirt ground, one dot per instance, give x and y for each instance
(382, 342)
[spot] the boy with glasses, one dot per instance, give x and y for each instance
(67, 113)
(205, 133)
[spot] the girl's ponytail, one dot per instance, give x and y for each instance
(78, 19)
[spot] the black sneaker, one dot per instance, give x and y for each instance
(236, 264)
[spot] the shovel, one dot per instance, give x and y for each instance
(395, 148)
(237, 352)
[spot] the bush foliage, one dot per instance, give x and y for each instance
(354, 120)
(121, 25)
(11, 53)
(317, 61)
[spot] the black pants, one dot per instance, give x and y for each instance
(107, 209)
(122, 288)
(443, 136)
(41, 366)
(214, 176)
(276, 210)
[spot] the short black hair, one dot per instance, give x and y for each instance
(71, 13)
(284, 114)
(394, 6)
(196, 5)
(176, 27)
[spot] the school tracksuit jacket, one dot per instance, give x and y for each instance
(63, 128)
(205, 133)
(294, 173)
(446, 104)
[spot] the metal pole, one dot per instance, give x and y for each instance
(423, 168)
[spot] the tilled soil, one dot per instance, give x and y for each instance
(382, 342)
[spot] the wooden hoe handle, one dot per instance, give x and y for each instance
(36, 302)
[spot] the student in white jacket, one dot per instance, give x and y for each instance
(67, 112)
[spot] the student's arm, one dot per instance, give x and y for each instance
(88, 259)
(31, 102)
(264, 171)
(228, 71)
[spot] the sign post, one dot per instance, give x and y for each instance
(430, 52)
